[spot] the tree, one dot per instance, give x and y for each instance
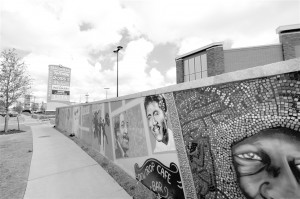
(14, 82)
(43, 108)
(34, 106)
(18, 108)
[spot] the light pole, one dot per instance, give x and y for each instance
(87, 98)
(106, 91)
(117, 51)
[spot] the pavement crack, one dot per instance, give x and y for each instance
(65, 171)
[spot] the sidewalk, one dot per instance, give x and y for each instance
(61, 169)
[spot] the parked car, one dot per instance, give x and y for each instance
(2, 113)
(26, 111)
(12, 114)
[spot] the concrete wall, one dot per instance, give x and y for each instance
(235, 135)
(242, 58)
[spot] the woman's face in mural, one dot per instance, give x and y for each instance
(156, 121)
(268, 164)
(123, 134)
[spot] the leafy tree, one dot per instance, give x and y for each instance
(43, 108)
(18, 108)
(1, 102)
(14, 82)
(34, 106)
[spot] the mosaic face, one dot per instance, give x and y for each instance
(242, 162)
(268, 164)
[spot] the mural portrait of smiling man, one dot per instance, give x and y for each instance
(121, 136)
(156, 112)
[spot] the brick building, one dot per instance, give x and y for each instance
(213, 60)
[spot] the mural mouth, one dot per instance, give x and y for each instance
(125, 138)
(156, 129)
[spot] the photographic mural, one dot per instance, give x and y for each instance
(129, 131)
(86, 120)
(100, 120)
(64, 119)
(121, 135)
(226, 141)
(76, 121)
(157, 116)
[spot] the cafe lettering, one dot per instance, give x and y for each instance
(163, 181)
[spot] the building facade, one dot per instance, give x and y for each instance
(213, 59)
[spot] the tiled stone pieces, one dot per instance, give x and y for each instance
(215, 117)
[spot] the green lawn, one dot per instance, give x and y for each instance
(16, 153)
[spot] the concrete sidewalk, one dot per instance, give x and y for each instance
(61, 169)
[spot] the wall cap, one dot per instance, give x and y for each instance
(287, 27)
(252, 47)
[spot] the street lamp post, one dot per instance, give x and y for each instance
(87, 98)
(106, 91)
(117, 51)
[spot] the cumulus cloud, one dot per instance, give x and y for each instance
(132, 70)
(171, 75)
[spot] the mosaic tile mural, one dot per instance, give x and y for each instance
(242, 139)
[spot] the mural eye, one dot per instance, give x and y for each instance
(249, 156)
(297, 163)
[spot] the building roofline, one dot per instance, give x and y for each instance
(252, 47)
(281, 29)
(215, 44)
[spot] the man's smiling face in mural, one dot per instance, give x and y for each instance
(157, 122)
(268, 164)
(123, 134)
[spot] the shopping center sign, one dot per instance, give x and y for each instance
(59, 83)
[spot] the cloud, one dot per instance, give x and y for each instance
(132, 70)
(81, 35)
(89, 79)
(192, 43)
(171, 75)
(175, 20)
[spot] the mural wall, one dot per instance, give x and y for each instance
(231, 140)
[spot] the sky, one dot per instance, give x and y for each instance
(82, 34)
